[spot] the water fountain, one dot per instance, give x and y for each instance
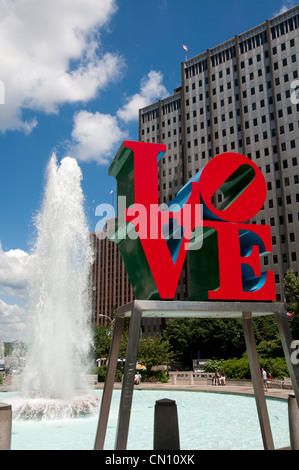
(53, 381)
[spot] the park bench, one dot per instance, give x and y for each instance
(275, 383)
(287, 383)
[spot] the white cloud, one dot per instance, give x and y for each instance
(50, 55)
(95, 136)
(14, 273)
(287, 5)
(151, 89)
(13, 322)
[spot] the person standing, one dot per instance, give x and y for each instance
(264, 377)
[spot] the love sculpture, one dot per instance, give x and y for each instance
(224, 252)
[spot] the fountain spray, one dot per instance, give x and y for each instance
(58, 292)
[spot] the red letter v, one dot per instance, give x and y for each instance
(166, 267)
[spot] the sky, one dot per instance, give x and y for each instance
(73, 75)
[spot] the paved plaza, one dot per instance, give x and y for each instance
(202, 387)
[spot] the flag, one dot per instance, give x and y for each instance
(111, 192)
(290, 316)
(185, 47)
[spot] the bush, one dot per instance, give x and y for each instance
(214, 364)
(276, 365)
(238, 368)
(102, 372)
(154, 376)
(1, 379)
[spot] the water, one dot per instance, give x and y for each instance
(210, 421)
(58, 292)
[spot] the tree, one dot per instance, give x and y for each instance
(102, 341)
(210, 337)
(291, 286)
(154, 351)
(267, 337)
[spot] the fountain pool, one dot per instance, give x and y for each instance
(210, 421)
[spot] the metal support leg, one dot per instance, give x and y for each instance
(109, 383)
(128, 380)
(286, 341)
(257, 382)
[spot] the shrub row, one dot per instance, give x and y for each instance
(147, 376)
(102, 371)
(154, 376)
(238, 368)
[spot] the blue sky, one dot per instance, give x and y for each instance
(75, 73)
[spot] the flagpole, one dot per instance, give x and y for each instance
(186, 49)
(112, 192)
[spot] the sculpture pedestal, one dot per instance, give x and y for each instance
(173, 309)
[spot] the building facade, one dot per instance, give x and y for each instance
(239, 97)
(110, 284)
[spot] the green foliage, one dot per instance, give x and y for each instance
(276, 365)
(212, 337)
(214, 364)
(1, 379)
(265, 328)
(224, 339)
(271, 348)
(102, 341)
(102, 372)
(238, 368)
(291, 286)
(154, 351)
(154, 376)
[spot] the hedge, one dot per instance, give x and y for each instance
(154, 376)
(238, 368)
(102, 372)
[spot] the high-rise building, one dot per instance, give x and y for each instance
(239, 97)
(110, 284)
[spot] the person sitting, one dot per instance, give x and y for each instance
(137, 379)
(269, 379)
(216, 378)
(222, 378)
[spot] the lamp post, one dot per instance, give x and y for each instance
(106, 316)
